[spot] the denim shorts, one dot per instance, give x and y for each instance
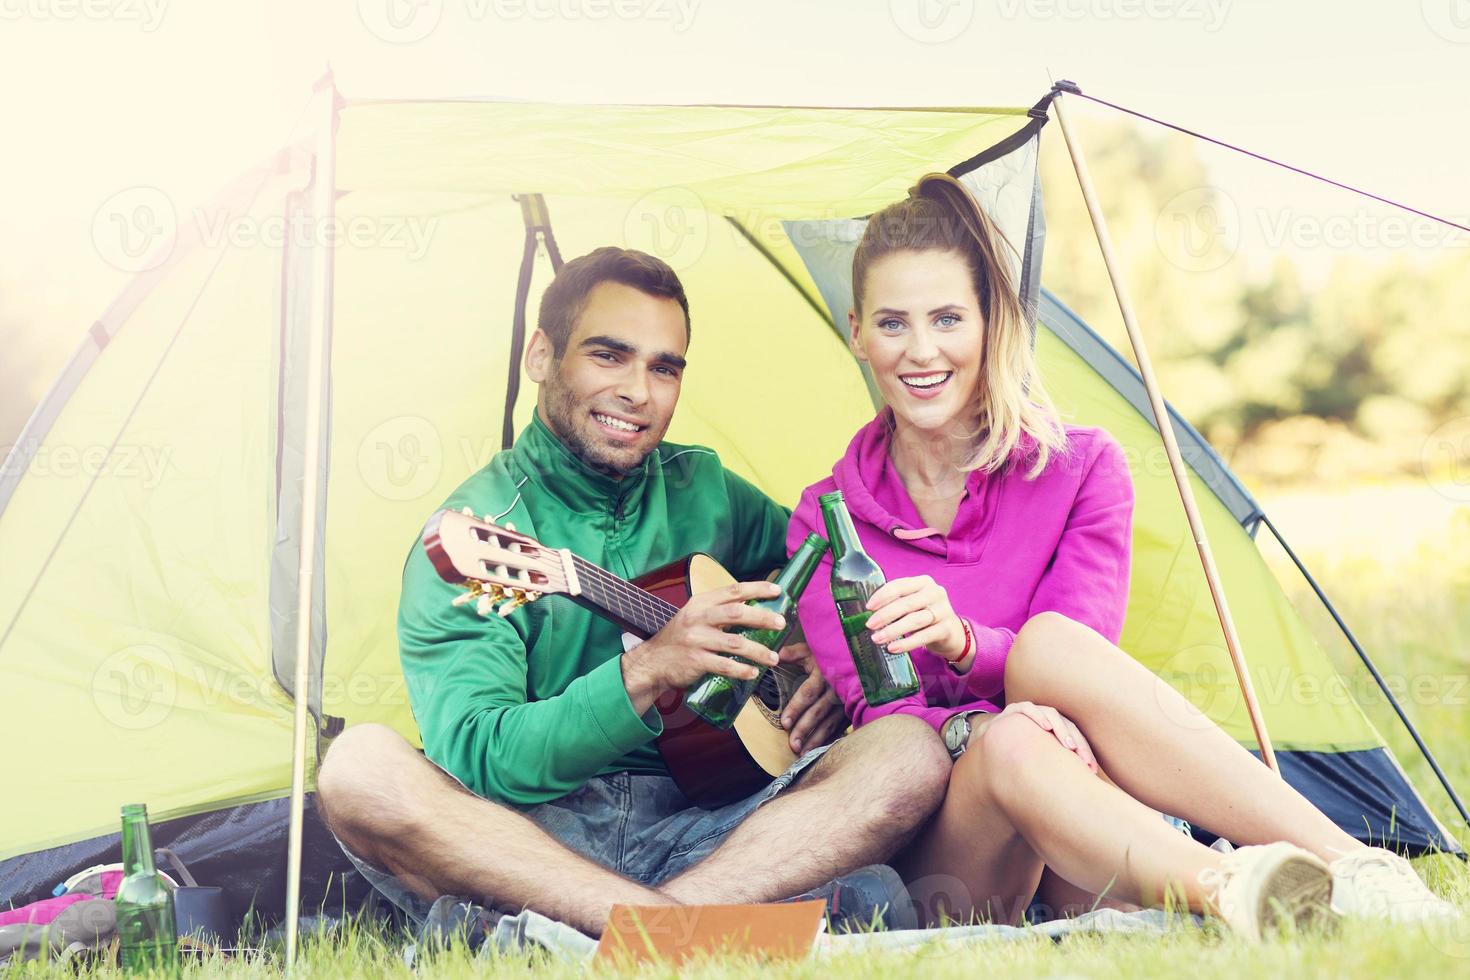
(639, 825)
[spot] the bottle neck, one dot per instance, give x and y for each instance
(799, 570)
(840, 530)
(137, 842)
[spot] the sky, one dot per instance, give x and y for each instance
(180, 95)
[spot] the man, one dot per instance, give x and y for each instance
(558, 800)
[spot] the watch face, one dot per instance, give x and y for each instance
(957, 733)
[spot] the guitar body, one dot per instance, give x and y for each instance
(714, 766)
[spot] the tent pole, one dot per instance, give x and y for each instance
(324, 202)
(1171, 445)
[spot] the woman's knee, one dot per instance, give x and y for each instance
(1046, 646)
(1007, 749)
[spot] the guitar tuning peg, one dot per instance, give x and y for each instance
(510, 526)
(467, 512)
(484, 606)
(521, 597)
(463, 598)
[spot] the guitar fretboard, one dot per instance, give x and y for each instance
(623, 600)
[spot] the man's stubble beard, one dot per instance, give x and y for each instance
(563, 414)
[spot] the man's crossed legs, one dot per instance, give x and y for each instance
(857, 804)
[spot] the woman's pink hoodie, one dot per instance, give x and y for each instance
(1017, 547)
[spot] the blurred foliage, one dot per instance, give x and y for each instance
(1344, 381)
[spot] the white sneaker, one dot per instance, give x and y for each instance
(1258, 889)
(1377, 884)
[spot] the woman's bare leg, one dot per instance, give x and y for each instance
(1064, 900)
(1161, 749)
(1017, 801)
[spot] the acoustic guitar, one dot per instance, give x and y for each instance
(503, 569)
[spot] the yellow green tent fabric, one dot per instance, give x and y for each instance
(141, 515)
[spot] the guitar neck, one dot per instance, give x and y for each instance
(631, 608)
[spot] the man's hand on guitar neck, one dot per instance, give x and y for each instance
(694, 643)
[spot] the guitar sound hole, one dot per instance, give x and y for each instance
(769, 692)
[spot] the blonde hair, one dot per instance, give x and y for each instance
(939, 214)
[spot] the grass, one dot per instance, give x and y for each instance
(1413, 616)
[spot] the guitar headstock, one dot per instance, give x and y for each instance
(499, 566)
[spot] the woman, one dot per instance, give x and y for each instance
(1005, 536)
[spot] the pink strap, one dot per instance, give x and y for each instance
(904, 534)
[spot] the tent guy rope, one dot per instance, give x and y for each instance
(1071, 89)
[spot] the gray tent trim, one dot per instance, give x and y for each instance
(297, 311)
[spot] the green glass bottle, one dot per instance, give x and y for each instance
(855, 577)
(145, 906)
(717, 698)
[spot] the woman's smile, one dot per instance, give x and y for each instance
(926, 385)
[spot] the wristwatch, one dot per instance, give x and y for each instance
(957, 734)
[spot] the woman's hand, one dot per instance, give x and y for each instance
(915, 612)
(1052, 720)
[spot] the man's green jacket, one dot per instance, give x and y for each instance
(527, 708)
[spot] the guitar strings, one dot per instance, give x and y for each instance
(648, 602)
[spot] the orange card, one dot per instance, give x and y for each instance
(674, 933)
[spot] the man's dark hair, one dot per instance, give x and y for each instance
(566, 297)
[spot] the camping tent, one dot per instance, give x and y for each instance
(151, 515)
